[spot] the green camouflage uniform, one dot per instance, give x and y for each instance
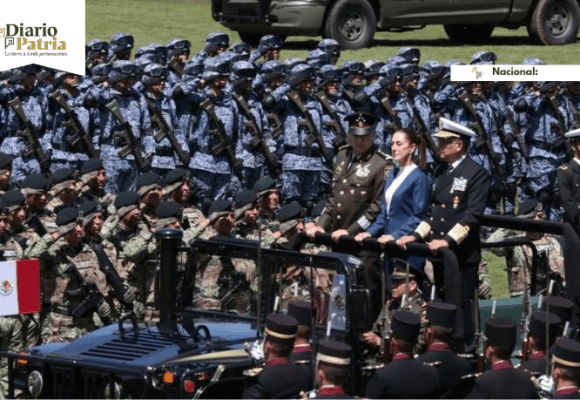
(416, 305)
(519, 260)
(10, 340)
(134, 247)
(58, 287)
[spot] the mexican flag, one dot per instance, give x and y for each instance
(19, 287)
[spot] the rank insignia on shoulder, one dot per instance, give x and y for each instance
(563, 167)
(253, 372)
(384, 155)
(344, 146)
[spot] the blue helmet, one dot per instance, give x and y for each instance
(533, 61)
(241, 48)
(330, 46)
(96, 47)
(101, 73)
(299, 74)
(372, 68)
(122, 69)
(271, 70)
(157, 50)
(317, 58)
(483, 58)
(192, 70)
(216, 67)
(178, 46)
(242, 71)
(270, 42)
(329, 73)
(153, 73)
(411, 55)
(391, 73)
(220, 39)
(121, 41)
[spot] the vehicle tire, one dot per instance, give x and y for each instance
(352, 23)
(475, 33)
(555, 22)
(253, 39)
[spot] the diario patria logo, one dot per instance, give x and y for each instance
(478, 74)
(39, 32)
(19, 37)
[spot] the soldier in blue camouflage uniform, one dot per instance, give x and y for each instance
(352, 83)
(97, 52)
(215, 44)
(331, 47)
(249, 148)
(165, 158)
(269, 48)
(302, 163)
(242, 48)
(120, 46)
(389, 105)
(177, 54)
(212, 175)
(59, 138)
(35, 105)
(188, 94)
(317, 59)
(121, 172)
(549, 118)
(372, 70)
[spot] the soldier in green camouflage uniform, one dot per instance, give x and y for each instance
(151, 193)
(93, 179)
(5, 172)
(135, 244)
(92, 224)
(63, 193)
(14, 206)
(414, 303)
(519, 258)
(269, 198)
(74, 287)
(248, 227)
(176, 188)
(216, 276)
(35, 187)
(11, 338)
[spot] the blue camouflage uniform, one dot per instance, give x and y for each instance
(212, 175)
(302, 165)
(122, 172)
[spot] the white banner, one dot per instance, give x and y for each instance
(516, 73)
(49, 33)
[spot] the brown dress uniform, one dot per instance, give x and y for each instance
(357, 186)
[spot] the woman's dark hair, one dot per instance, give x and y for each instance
(417, 139)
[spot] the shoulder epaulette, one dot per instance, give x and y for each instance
(344, 147)
(384, 155)
(563, 167)
(253, 372)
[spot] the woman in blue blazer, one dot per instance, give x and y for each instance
(405, 196)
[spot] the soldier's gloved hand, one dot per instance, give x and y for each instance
(256, 351)
(130, 295)
(545, 386)
(210, 47)
(104, 310)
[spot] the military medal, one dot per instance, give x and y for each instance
(362, 171)
(459, 184)
(455, 201)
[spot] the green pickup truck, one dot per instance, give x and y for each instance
(353, 23)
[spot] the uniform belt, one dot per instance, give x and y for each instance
(164, 151)
(62, 311)
(301, 151)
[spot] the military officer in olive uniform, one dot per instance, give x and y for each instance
(357, 186)
(458, 199)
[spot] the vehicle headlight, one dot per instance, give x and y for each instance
(34, 383)
(116, 391)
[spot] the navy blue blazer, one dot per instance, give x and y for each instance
(408, 205)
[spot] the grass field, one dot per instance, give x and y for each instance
(162, 20)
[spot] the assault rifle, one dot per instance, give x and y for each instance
(560, 126)
(573, 108)
(507, 140)
(482, 140)
(88, 292)
(275, 124)
(389, 109)
(113, 277)
(314, 135)
(126, 133)
(79, 136)
(341, 136)
(31, 136)
(257, 136)
(163, 131)
(224, 144)
(421, 125)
